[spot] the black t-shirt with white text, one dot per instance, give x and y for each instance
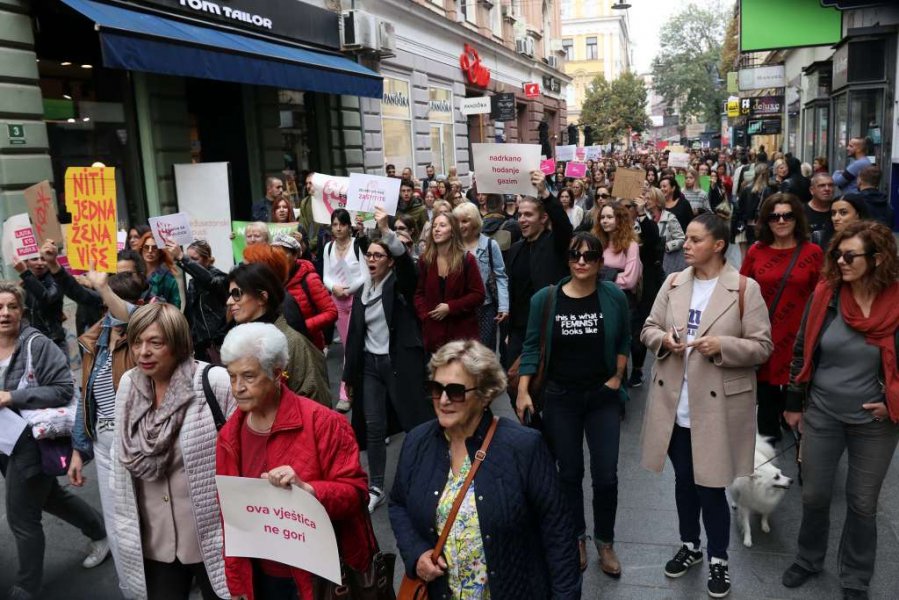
(578, 336)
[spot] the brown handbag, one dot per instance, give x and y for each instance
(535, 386)
(413, 588)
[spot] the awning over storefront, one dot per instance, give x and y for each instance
(140, 41)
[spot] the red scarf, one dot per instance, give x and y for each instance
(878, 328)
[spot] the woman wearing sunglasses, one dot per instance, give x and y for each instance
(160, 271)
(709, 330)
(385, 354)
(844, 395)
(786, 266)
(587, 342)
(512, 537)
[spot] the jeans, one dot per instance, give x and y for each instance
(692, 499)
(172, 581)
(378, 384)
(871, 448)
(26, 501)
(771, 404)
(569, 413)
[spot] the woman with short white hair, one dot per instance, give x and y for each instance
(288, 440)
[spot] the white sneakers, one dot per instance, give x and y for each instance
(376, 498)
(97, 553)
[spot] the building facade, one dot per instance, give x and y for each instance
(596, 41)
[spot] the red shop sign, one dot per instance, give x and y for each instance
(476, 73)
(532, 90)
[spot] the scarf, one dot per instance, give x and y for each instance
(149, 432)
(879, 329)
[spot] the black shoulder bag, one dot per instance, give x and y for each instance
(217, 415)
(783, 282)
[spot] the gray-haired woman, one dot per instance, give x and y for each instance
(167, 514)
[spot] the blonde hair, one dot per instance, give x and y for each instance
(10, 287)
(172, 324)
(456, 249)
(692, 172)
(656, 196)
(441, 206)
(469, 211)
(478, 361)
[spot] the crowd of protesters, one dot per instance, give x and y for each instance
(749, 282)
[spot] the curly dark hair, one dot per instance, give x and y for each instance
(877, 239)
(763, 232)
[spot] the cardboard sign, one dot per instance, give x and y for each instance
(42, 209)
(705, 182)
(19, 241)
(204, 193)
(121, 238)
(174, 227)
(593, 153)
(367, 192)
(329, 193)
(678, 160)
(575, 169)
(505, 168)
(548, 166)
(288, 526)
(239, 229)
(91, 200)
(580, 152)
(564, 153)
(628, 183)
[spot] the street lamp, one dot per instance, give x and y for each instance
(621, 6)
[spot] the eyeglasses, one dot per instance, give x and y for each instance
(847, 257)
(149, 247)
(375, 256)
(605, 196)
(786, 217)
(455, 392)
(590, 256)
(235, 294)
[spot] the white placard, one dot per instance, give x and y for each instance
(593, 153)
(174, 227)
(11, 427)
(367, 192)
(288, 526)
(475, 106)
(678, 160)
(19, 241)
(566, 152)
(328, 194)
(204, 193)
(505, 168)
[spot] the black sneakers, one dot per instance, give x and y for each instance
(682, 561)
(719, 579)
(636, 378)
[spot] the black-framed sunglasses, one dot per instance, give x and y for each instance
(235, 294)
(787, 217)
(589, 256)
(604, 196)
(455, 392)
(848, 257)
(149, 247)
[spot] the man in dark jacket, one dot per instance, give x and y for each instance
(539, 259)
(43, 300)
(796, 182)
(877, 203)
(262, 209)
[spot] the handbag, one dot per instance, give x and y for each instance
(56, 455)
(56, 422)
(413, 588)
(535, 386)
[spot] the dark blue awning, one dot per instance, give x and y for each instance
(141, 41)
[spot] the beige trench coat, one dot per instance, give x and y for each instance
(722, 389)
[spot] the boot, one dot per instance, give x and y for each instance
(608, 560)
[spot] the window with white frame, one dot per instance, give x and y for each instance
(496, 20)
(567, 8)
(568, 46)
(592, 49)
(396, 123)
(440, 119)
(468, 10)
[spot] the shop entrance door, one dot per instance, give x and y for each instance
(219, 134)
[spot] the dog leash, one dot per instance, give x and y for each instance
(779, 454)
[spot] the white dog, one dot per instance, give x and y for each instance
(760, 492)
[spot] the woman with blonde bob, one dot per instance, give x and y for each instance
(513, 536)
(670, 231)
(449, 289)
(167, 513)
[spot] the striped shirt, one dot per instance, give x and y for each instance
(104, 391)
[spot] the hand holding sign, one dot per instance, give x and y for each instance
(284, 477)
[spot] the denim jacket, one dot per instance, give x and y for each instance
(487, 247)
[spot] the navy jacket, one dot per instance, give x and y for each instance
(528, 536)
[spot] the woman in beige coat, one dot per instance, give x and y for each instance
(708, 326)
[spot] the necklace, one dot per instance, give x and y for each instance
(342, 247)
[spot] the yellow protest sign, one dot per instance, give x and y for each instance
(91, 200)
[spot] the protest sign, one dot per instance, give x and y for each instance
(288, 526)
(580, 153)
(42, 209)
(593, 153)
(704, 182)
(174, 227)
(548, 166)
(121, 238)
(628, 183)
(19, 241)
(91, 200)
(367, 192)
(575, 169)
(329, 193)
(505, 168)
(238, 228)
(678, 160)
(566, 152)
(204, 193)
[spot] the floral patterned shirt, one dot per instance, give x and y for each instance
(464, 550)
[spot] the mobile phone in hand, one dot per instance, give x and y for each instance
(674, 335)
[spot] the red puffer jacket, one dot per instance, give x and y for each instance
(319, 444)
(317, 306)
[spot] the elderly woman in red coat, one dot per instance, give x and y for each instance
(450, 289)
(289, 440)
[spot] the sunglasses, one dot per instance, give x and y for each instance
(375, 256)
(786, 217)
(605, 196)
(455, 392)
(149, 247)
(847, 257)
(590, 256)
(235, 294)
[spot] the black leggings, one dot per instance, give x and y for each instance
(170, 581)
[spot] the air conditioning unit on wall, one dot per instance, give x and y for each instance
(386, 39)
(552, 61)
(359, 32)
(525, 45)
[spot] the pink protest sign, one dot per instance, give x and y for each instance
(580, 152)
(575, 169)
(548, 166)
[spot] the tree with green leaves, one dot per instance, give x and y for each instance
(613, 109)
(685, 72)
